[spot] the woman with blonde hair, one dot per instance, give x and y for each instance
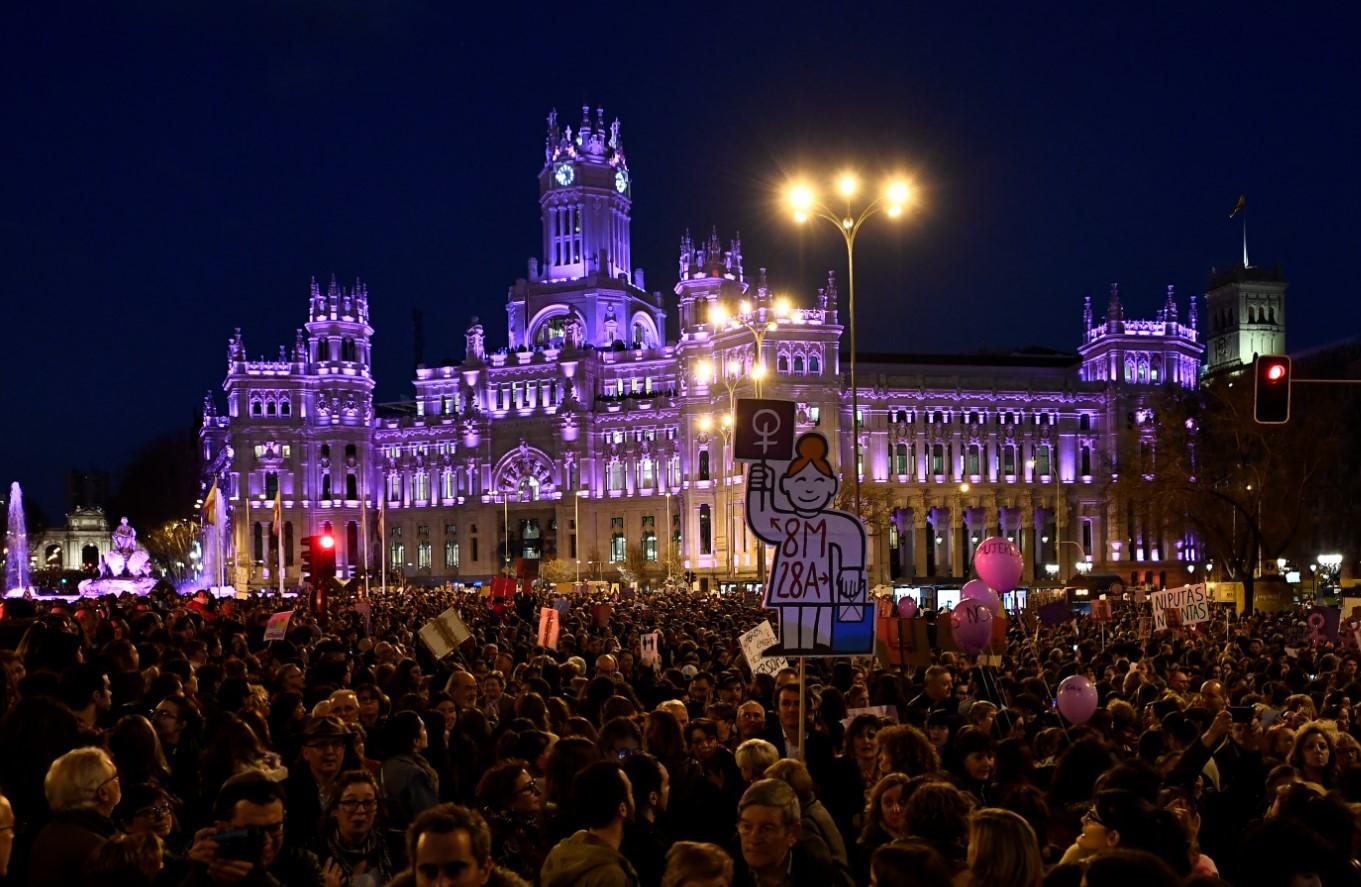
(1003, 850)
(692, 864)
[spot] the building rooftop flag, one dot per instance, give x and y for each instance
(1240, 205)
(278, 507)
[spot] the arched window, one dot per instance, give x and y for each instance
(352, 543)
(258, 540)
(703, 464)
(639, 335)
(351, 487)
(271, 484)
(1155, 368)
(285, 407)
(798, 365)
(900, 459)
(814, 365)
(1129, 370)
(269, 408)
(706, 537)
(325, 485)
(1086, 461)
(782, 363)
(1143, 370)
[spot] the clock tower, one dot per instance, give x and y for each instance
(585, 191)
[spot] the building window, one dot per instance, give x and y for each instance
(1086, 461)
(1009, 460)
(285, 408)
(394, 487)
(288, 543)
(351, 486)
(618, 543)
(798, 365)
(352, 543)
(706, 532)
(971, 460)
(645, 474)
(703, 464)
(1087, 537)
(1084, 422)
(937, 459)
(473, 542)
(675, 533)
(815, 415)
(398, 555)
(423, 554)
(258, 548)
(615, 476)
(782, 364)
(649, 537)
(1042, 466)
(814, 365)
(326, 486)
(271, 484)
(422, 486)
(900, 458)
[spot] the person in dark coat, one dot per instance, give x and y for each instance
(327, 751)
(769, 842)
(82, 791)
(818, 753)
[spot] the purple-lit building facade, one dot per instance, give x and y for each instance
(588, 435)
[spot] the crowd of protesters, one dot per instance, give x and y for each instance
(163, 741)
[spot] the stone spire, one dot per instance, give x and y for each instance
(687, 253)
(1115, 315)
(1170, 307)
(475, 341)
(1191, 312)
(1086, 318)
(236, 347)
(735, 247)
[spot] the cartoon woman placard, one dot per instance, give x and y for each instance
(817, 578)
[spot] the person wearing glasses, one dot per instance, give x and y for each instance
(1122, 819)
(357, 851)
(769, 839)
(82, 791)
(512, 802)
(246, 843)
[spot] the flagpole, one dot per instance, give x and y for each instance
(382, 534)
(364, 524)
(1245, 239)
(279, 531)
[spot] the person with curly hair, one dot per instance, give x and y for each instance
(512, 803)
(1003, 851)
(905, 749)
(1312, 754)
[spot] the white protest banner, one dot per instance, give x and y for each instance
(754, 642)
(443, 634)
(277, 626)
(548, 628)
(648, 652)
(1193, 602)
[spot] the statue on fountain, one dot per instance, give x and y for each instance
(126, 559)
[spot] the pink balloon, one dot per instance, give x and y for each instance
(907, 608)
(1077, 699)
(978, 590)
(998, 563)
(971, 624)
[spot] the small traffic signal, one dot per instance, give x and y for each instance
(305, 554)
(1271, 392)
(323, 557)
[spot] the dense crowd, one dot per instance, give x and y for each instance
(163, 741)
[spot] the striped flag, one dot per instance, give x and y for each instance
(278, 507)
(210, 505)
(1240, 205)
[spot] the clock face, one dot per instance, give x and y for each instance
(564, 174)
(621, 181)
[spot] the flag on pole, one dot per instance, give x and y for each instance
(278, 508)
(1239, 206)
(210, 505)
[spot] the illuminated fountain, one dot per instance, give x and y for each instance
(16, 543)
(125, 569)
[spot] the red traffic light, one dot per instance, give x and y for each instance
(1271, 394)
(326, 541)
(1275, 372)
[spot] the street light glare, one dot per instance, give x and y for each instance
(758, 372)
(898, 194)
(800, 198)
(734, 367)
(704, 371)
(727, 420)
(847, 184)
(782, 307)
(706, 423)
(744, 306)
(718, 314)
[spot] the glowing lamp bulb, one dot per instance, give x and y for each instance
(846, 184)
(898, 194)
(800, 199)
(327, 542)
(1275, 372)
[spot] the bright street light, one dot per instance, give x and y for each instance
(847, 185)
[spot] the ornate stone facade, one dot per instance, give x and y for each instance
(595, 438)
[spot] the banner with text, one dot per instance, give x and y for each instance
(754, 643)
(1191, 601)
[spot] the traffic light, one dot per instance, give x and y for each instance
(323, 557)
(1271, 392)
(305, 552)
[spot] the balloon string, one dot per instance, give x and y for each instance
(1039, 666)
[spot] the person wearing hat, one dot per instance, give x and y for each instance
(327, 751)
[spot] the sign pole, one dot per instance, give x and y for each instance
(803, 706)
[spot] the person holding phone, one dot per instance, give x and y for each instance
(245, 845)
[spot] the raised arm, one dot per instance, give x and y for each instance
(762, 513)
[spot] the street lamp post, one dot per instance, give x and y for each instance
(725, 428)
(805, 203)
(758, 326)
(576, 532)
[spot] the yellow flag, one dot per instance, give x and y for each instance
(210, 505)
(278, 507)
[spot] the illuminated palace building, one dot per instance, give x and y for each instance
(595, 438)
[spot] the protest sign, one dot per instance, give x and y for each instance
(756, 641)
(902, 641)
(548, 628)
(1191, 602)
(277, 626)
(1145, 627)
(1323, 624)
(1101, 611)
(764, 430)
(601, 614)
(1055, 613)
(562, 605)
(443, 634)
(648, 652)
(502, 594)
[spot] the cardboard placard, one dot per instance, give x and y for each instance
(764, 430)
(548, 628)
(1191, 601)
(754, 642)
(1101, 611)
(1055, 613)
(443, 634)
(902, 642)
(648, 652)
(277, 626)
(1323, 624)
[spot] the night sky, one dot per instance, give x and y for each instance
(174, 170)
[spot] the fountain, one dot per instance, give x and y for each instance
(125, 569)
(16, 543)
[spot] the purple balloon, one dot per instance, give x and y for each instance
(978, 590)
(907, 608)
(971, 624)
(1077, 699)
(998, 562)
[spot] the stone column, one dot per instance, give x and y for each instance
(959, 538)
(920, 540)
(1029, 550)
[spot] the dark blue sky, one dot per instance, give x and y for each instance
(174, 170)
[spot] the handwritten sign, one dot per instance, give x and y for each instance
(648, 652)
(443, 634)
(764, 430)
(1101, 611)
(754, 643)
(1192, 603)
(548, 628)
(277, 626)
